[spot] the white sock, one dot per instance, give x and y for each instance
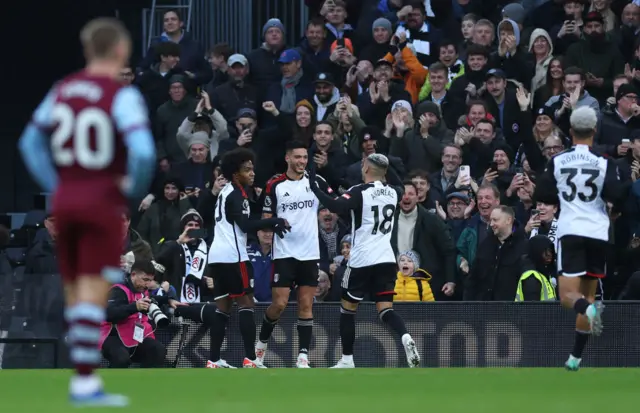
(304, 356)
(85, 385)
(348, 359)
(260, 345)
(405, 339)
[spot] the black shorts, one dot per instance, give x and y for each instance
(232, 279)
(289, 272)
(375, 281)
(582, 257)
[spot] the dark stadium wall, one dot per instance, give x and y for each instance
(43, 47)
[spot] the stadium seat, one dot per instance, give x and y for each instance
(34, 218)
(16, 256)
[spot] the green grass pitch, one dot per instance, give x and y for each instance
(329, 391)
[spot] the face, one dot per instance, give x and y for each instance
(635, 147)
(315, 35)
(487, 201)
(303, 116)
(406, 265)
(484, 131)
(600, 5)
(50, 225)
(171, 192)
(126, 222)
(502, 160)
(451, 159)
(448, 55)
(246, 123)
(506, 30)
(290, 69)
(217, 61)
(409, 199)
(191, 225)
(482, 35)
(555, 69)
(432, 120)
(438, 81)
(496, 86)
(573, 8)
(369, 147)
(381, 35)
(198, 153)
(170, 61)
(476, 62)
(365, 70)
(177, 92)
(127, 76)
(541, 46)
(273, 36)
(500, 223)
(547, 211)
(593, 28)
(265, 237)
(327, 219)
(630, 16)
(544, 124)
(324, 91)
(627, 102)
(246, 175)
(141, 280)
(171, 23)
(383, 72)
(423, 187)
(323, 285)
(415, 20)
(337, 16)
(571, 82)
(476, 114)
(237, 72)
(455, 208)
(297, 160)
(323, 135)
(345, 250)
(467, 29)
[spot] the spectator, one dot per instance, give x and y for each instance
(459, 208)
(299, 129)
(483, 35)
(538, 282)
(512, 57)
(332, 231)
(264, 60)
(236, 93)
(448, 57)
(170, 116)
(338, 268)
(204, 124)
(218, 59)
(466, 27)
(328, 155)
(420, 33)
(192, 60)
(260, 256)
(342, 58)
(608, 16)
(503, 106)
(314, 45)
(154, 82)
(467, 86)
(197, 171)
(498, 264)
(569, 30)
(627, 33)
(543, 221)
(541, 47)
(553, 85)
(443, 181)
(631, 162)
(326, 96)
(437, 85)
(413, 282)
(348, 125)
(293, 86)
(618, 81)
(615, 127)
(323, 288)
(127, 75)
(382, 30)
(336, 25)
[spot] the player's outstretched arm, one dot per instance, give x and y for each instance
(237, 213)
(34, 148)
(546, 190)
(130, 114)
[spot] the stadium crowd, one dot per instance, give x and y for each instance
(469, 99)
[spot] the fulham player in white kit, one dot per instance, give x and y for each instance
(583, 182)
(296, 255)
(372, 264)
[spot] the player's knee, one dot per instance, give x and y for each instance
(349, 305)
(277, 308)
(246, 302)
(383, 311)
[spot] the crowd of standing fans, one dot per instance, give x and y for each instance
(469, 99)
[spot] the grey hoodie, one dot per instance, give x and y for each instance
(540, 78)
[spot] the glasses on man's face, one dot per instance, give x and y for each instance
(555, 148)
(457, 204)
(631, 98)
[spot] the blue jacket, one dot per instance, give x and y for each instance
(191, 58)
(261, 273)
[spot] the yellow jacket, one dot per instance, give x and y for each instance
(413, 288)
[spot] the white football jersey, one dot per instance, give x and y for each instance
(229, 241)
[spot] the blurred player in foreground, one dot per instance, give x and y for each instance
(87, 133)
(584, 182)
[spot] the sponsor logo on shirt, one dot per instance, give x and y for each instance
(294, 206)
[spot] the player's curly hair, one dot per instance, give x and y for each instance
(232, 161)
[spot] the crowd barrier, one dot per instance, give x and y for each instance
(491, 334)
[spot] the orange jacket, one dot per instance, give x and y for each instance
(415, 77)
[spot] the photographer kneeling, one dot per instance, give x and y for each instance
(128, 333)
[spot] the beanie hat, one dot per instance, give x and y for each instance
(346, 239)
(428, 107)
(177, 79)
(515, 12)
(306, 104)
(507, 150)
(272, 23)
(413, 256)
(382, 22)
(624, 90)
(189, 216)
(200, 137)
(546, 111)
(175, 181)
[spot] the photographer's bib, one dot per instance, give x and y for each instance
(195, 264)
(133, 329)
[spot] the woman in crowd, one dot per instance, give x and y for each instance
(553, 83)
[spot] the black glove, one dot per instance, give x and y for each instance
(281, 228)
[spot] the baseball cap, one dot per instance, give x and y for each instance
(402, 104)
(289, 55)
(383, 62)
(495, 73)
(237, 58)
(246, 113)
(458, 195)
(324, 78)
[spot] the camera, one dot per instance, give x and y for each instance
(156, 314)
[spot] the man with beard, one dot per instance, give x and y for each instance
(628, 31)
(466, 86)
(597, 56)
(332, 231)
(497, 266)
(236, 93)
(369, 137)
(326, 96)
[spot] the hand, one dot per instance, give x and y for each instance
(464, 265)
(622, 149)
(165, 165)
(195, 193)
(332, 268)
(184, 238)
(440, 211)
(573, 98)
(383, 90)
(449, 288)
(321, 159)
(468, 211)
(209, 282)
(471, 90)
(635, 109)
(189, 74)
(244, 138)
(270, 107)
(388, 124)
(352, 75)
(146, 202)
(175, 303)
(404, 12)
(326, 7)
(629, 72)
(510, 44)
(336, 54)
(218, 184)
(165, 286)
(516, 183)
(199, 106)
(534, 222)
(398, 123)
(424, 126)
(565, 29)
(374, 94)
(281, 228)
(502, 47)
(142, 304)
(258, 191)
(207, 100)
(524, 98)
(490, 175)
(402, 37)
(635, 170)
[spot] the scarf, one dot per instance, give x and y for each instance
(552, 234)
(194, 268)
(331, 239)
(289, 100)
